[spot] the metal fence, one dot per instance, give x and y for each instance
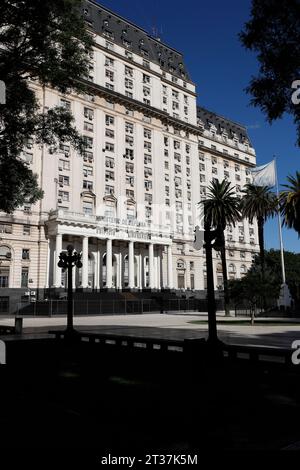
(112, 307)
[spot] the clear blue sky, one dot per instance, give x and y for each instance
(206, 32)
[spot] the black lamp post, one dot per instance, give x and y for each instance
(67, 260)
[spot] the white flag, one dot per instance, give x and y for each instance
(264, 175)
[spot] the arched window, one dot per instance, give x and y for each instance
(243, 269)
(231, 268)
(5, 253)
(219, 268)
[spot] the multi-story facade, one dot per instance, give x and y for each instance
(130, 203)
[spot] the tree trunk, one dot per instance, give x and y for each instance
(225, 279)
(260, 225)
(211, 304)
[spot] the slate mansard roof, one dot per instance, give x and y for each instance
(120, 31)
(221, 125)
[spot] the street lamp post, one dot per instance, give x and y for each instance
(67, 260)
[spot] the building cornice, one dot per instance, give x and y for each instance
(142, 107)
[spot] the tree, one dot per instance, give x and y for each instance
(292, 270)
(46, 43)
(259, 203)
(290, 203)
(273, 33)
(221, 206)
(252, 291)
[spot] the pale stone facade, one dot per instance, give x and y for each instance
(129, 204)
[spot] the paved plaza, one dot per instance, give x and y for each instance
(172, 326)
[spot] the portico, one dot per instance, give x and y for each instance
(114, 257)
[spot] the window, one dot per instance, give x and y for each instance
(26, 230)
(89, 114)
(5, 253)
(129, 167)
(109, 190)
(176, 144)
(109, 162)
(88, 142)
(128, 94)
(147, 146)
(25, 253)
(87, 185)
(110, 133)
(147, 133)
(130, 193)
(130, 180)
(64, 180)
(109, 120)
(24, 277)
(63, 196)
(147, 159)
(88, 126)
(243, 269)
(109, 74)
(109, 176)
(64, 165)
(129, 140)
(148, 184)
(242, 254)
(147, 172)
(88, 156)
(87, 171)
(146, 78)
(128, 71)
(128, 127)
(4, 277)
(175, 94)
(128, 83)
(129, 154)
(5, 228)
(109, 147)
(109, 62)
(88, 207)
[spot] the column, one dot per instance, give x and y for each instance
(151, 277)
(158, 271)
(97, 268)
(109, 263)
(85, 262)
(131, 265)
(155, 272)
(57, 270)
(140, 272)
(170, 268)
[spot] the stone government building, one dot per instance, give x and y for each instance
(130, 203)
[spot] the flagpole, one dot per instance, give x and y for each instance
(280, 227)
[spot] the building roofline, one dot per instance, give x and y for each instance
(220, 116)
(94, 2)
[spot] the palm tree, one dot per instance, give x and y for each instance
(259, 203)
(289, 201)
(221, 206)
